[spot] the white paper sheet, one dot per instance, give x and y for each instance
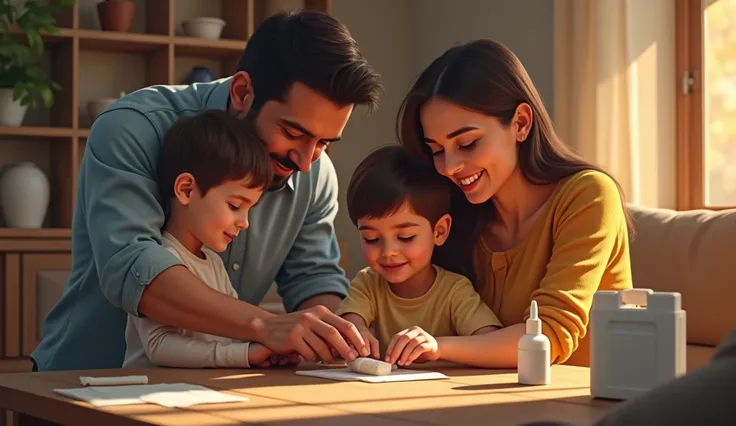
(167, 395)
(397, 375)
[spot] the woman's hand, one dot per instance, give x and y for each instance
(412, 344)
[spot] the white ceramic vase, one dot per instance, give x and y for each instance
(24, 196)
(11, 112)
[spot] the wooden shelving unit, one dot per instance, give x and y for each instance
(158, 54)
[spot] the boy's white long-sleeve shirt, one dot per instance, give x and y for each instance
(149, 343)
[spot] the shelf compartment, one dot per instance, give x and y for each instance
(184, 65)
(237, 14)
(63, 186)
(68, 17)
(222, 63)
(54, 157)
(120, 72)
(239, 18)
(64, 69)
(151, 17)
(58, 62)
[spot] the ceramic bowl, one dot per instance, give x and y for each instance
(96, 106)
(204, 27)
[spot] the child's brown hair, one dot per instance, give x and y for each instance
(388, 178)
(214, 147)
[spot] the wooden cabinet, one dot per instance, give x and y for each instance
(43, 276)
(34, 266)
(32, 283)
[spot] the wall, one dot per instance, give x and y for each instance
(383, 29)
(524, 26)
(400, 38)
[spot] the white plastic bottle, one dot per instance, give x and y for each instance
(534, 358)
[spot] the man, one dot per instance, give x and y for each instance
(299, 78)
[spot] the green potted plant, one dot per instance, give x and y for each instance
(23, 80)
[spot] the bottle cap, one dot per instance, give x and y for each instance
(533, 324)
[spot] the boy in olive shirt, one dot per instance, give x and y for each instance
(420, 312)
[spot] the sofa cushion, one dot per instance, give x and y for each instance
(693, 253)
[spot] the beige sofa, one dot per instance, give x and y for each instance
(693, 253)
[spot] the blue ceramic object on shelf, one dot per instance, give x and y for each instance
(200, 75)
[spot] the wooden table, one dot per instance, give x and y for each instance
(280, 397)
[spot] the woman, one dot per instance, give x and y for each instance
(531, 220)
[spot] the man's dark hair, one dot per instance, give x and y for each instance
(312, 48)
(214, 147)
(387, 178)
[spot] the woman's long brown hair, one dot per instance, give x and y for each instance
(486, 77)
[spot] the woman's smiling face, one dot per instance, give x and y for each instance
(473, 150)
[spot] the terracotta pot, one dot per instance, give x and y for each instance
(116, 15)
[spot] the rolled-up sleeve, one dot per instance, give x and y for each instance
(312, 266)
(122, 205)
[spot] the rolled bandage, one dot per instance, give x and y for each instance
(113, 381)
(370, 366)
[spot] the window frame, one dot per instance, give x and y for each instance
(689, 106)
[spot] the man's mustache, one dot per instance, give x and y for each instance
(286, 162)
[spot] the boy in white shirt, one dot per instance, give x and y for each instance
(213, 168)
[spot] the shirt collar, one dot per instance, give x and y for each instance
(289, 183)
(220, 98)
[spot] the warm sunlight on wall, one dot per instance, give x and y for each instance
(652, 126)
(614, 91)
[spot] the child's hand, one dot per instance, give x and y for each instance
(285, 360)
(260, 356)
(412, 344)
(371, 341)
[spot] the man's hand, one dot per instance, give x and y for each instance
(311, 333)
(412, 344)
(371, 341)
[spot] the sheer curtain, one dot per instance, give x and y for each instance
(615, 91)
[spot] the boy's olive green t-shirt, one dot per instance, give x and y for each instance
(451, 307)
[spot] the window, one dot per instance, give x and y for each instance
(706, 104)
